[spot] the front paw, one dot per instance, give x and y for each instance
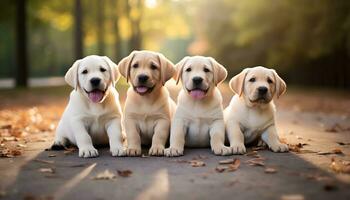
(279, 147)
(238, 148)
(133, 151)
(222, 150)
(88, 152)
(156, 150)
(172, 152)
(118, 151)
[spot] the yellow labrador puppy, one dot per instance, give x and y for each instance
(93, 114)
(251, 113)
(148, 107)
(198, 120)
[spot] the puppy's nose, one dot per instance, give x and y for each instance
(262, 90)
(95, 81)
(197, 80)
(143, 78)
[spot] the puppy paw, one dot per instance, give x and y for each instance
(222, 150)
(118, 151)
(156, 150)
(279, 147)
(238, 148)
(172, 152)
(88, 152)
(133, 152)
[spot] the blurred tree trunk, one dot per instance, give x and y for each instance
(115, 19)
(78, 32)
(21, 44)
(100, 26)
(135, 42)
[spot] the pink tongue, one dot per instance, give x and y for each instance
(96, 96)
(197, 94)
(141, 89)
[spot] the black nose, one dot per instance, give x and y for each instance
(262, 90)
(197, 80)
(143, 78)
(95, 81)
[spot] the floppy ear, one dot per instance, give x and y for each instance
(220, 72)
(237, 82)
(124, 65)
(167, 68)
(113, 69)
(281, 86)
(71, 76)
(179, 67)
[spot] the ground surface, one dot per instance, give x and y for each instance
(318, 120)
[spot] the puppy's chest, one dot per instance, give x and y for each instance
(253, 126)
(198, 132)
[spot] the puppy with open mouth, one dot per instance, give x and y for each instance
(250, 116)
(93, 114)
(198, 120)
(148, 106)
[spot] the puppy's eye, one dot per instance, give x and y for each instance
(188, 69)
(135, 65)
(269, 80)
(153, 66)
(252, 80)
(206, 70)
(85, 71)
(102, 69)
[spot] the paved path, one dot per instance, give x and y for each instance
(306, 175)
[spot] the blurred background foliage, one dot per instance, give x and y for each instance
(308, 42)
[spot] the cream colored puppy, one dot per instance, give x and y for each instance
(251, 113)
(198, 119)
(148, 106)
(93, 115)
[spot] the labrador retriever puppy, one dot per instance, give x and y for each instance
(93, 114)
(198, 120)
(250, 115)
(148, 106)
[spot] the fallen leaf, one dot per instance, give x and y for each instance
(51, 155)
(337, 151)
(105, 175)
(124, 173)
(6, 126)
(256, 162)
(8, 139)
(259, 148)
(334, 151)
(340, 166)
(302, 151)
(227, 161)
(252, 153)
(234, 166)
(270, 170)
(47, 170)
(197, 163)
(45, 161)
(220, 169)
(343, 143)
(330, 186)
(292, 197)
(21, 145)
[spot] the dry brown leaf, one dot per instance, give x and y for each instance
(6, 126)
(47, 170)
(45, 161)
(252, 153)
(21, 145)
(334, 151)
(292, 197)
(124, 173)
(340, 166)
(105, 175)
(270, 170)
(337, 151)
(256, 162)
(220, 169)
(234, 166)
(197, 163)
(227, 161)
